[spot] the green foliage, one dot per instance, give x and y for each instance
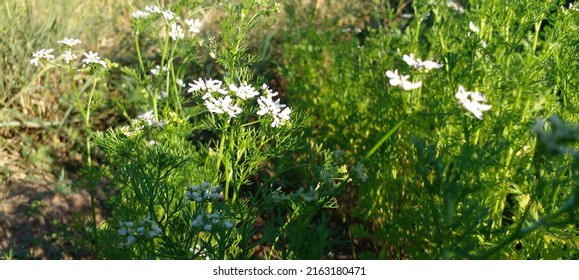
(444, 184)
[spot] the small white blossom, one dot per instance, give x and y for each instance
(194, 25)
(140, 14)
(70, 42)
(473, 27)
(92, 57)
(209, 86)
(68, 56)
(222, 105)
(153, 9)
(180, 83)
(176, 32)
(243, 91)
(169, 15)
(471, 101)
(149, 118)
(44, 54)
(279, 112)
(419, 64)
(157, 70)
(455, 6)
(402, 81)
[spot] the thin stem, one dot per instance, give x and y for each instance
(139, 53)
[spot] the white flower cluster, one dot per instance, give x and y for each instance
(219, 100)
(419, 64)
(152, 10)
(43, 54)
(571, 7)
(68, 56)
(403, 81)
(147, 118)
(471, 101)
(131, 231)
(211, 221)
(175, 29)
(205, 191)
(93, 58)
(453, 4)
(158, 69)
(279, 112)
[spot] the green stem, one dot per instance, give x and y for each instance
(139, 53)
(384, 138)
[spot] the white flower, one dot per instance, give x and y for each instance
(176, 32)
(209, 86)
(45, 54)
(429, 65)
(455, 6)
(91, 58)
(409, 59)
(149, 119)
(68, 56)
(194, 25)
(472, 101)
(168, 15)
(155, 71)
(180, 83)
(473, 27)
(222, 105)
(153, 9)
(419, 64)
(279, 112)
(69, 42)
(402, 81)
(140, 14)
(244, 91)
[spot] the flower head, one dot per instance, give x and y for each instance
(68, 56)
(93, 58)
(419, 64)
(69, 42)
(472, 101)
(176, 32)
(194, 25)
(473, 27)
(279, 112)
(140, 14)
(402, 81)
(222, 105)
(44, 54)
(243, 91)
